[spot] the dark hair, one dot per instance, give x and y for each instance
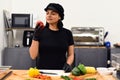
(60, 25)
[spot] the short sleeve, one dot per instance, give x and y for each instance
(70, 38)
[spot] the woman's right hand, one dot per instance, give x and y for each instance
(38, 28)
(40, 24)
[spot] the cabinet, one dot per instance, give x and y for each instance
(91, 56)
(115, 57)
(115, 50)
(18, 58)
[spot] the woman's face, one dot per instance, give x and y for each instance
(52, 17)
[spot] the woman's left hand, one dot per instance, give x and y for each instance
(67, 67)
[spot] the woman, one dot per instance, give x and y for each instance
(51, 43)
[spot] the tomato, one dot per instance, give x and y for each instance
(76, 78)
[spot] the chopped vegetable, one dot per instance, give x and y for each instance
(33, 72)
(76, 71)
(82, 68)
(27, 79)
(90, 69)
(91, 79)
(76, 78)
(66, 77)
(43, 77)
(79, 70)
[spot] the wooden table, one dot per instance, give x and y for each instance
(22, 75)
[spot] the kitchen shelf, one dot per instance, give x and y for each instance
(9, 29)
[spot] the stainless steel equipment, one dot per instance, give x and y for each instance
(88, 35)
(19, 37)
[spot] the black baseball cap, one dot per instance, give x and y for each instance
(56, 7)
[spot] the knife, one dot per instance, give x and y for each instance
(48, 73)
(3, 78)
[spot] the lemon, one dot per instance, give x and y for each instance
(33, 72)
(90, 69)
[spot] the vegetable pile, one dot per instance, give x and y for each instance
(34, 73)
(82, 70)
(76, 78)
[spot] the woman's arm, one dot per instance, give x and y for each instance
(34, 49)
(70, 56)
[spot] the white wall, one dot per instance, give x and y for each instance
(4, 4)
(96, 13)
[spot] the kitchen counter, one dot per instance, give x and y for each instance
(22, 75)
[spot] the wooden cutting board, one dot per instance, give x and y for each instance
(4, 74)
(97, 76)
(22, 75)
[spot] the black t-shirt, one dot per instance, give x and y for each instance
(53, 46)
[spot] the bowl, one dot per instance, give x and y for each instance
(104, 71)
(112, 69)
